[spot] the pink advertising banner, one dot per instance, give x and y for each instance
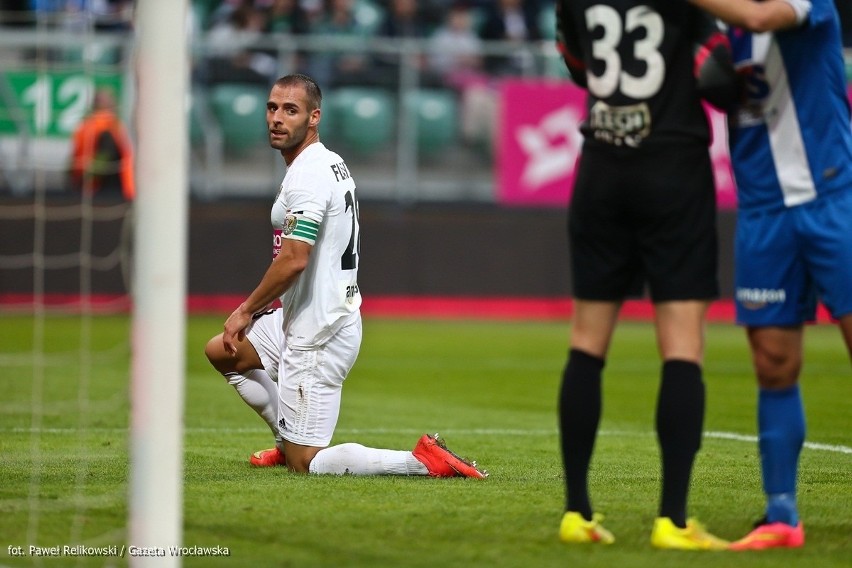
(540, 142)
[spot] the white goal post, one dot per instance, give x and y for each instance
(159, 280)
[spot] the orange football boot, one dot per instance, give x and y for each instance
(268, 458)
(432, 452)
(772, 535)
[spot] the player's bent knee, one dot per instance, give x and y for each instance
(210, 349)
(214, 350)
(218, 357)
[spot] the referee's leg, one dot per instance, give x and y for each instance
(593, 323)
(681, 399)
(680, 329)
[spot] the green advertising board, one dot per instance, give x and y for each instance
(50, 103)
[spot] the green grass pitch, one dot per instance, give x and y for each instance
(488, 387)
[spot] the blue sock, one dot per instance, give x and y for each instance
(781, 425)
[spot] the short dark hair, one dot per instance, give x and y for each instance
(311, 88)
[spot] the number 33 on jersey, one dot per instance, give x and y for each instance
(637, 60)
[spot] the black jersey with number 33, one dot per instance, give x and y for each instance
(636, 60)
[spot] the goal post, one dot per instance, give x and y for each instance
(159, 279)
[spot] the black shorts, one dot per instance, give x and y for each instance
(644, 216)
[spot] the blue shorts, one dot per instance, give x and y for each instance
(787, 260)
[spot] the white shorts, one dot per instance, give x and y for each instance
(310, 382)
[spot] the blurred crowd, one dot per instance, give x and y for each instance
(232, 30)
(72, 15)
(450, 34)
(453, 30)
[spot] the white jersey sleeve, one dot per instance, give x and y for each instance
(802, 9)
(317, 204)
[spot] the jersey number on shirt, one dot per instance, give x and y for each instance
(349, 259)
(605, 48)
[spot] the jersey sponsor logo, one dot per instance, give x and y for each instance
(757, 298)
(620, 125)
(351, 292)
(276, 242)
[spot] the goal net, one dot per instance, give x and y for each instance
(92, 282)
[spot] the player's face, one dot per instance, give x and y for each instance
(288, 118)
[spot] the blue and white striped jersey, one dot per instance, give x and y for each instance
(791, 138)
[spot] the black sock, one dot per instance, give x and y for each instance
(680, 421)
(579, 414)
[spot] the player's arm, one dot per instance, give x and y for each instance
(766, 16)
(569, 47)
(281, 274)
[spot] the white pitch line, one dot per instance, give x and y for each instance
(833, 448)
(810, 445)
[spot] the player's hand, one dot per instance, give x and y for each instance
(235, 330)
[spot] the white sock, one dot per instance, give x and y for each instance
(355, 459)
(261, 393)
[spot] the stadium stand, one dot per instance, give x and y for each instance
(435, 116)
(360, 118)
(240, 110)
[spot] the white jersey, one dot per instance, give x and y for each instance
(317, 205)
